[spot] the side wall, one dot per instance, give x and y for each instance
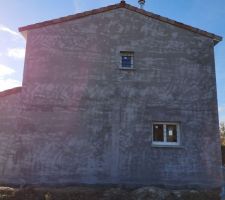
(10, 110)
(86, 121)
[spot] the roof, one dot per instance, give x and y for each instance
(122, 4)
(10, 91)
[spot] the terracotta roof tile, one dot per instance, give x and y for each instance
(214, 37)
(10, 91)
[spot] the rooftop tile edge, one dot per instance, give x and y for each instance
(215, 37)
(69, 17)
(10, 91)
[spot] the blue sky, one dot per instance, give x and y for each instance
(207, 15)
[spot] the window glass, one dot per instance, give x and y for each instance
(158, 133)
(171, 133)
(127, 59)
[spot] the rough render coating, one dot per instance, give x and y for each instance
(79, 119)
(24, 29)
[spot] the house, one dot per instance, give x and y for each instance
(115, 95)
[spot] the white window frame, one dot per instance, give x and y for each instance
(127, 53)
(165, 143)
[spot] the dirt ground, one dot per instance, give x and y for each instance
(104, 193)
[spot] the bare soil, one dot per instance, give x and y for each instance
(105, 193)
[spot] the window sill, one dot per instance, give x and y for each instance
(167, 146)
(124, 68)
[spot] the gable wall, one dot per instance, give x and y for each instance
(86, 121)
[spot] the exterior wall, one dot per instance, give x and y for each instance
(83, 120)
(10, 109)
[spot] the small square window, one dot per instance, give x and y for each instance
(127, 60)
(166, 133)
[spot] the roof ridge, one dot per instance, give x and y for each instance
(122, 4)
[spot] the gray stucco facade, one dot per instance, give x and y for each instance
(78, 118)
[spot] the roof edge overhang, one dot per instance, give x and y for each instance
(216, 39)
(24, 34)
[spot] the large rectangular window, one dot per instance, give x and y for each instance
(166, 133)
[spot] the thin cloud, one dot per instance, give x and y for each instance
(17, 53)
(8, 84)
(222, 119)
(10, 31)
(222, 113)
(221, 109)
(77, 5)
(5, 70)
(81, 5)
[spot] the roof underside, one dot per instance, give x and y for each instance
(214, 37)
